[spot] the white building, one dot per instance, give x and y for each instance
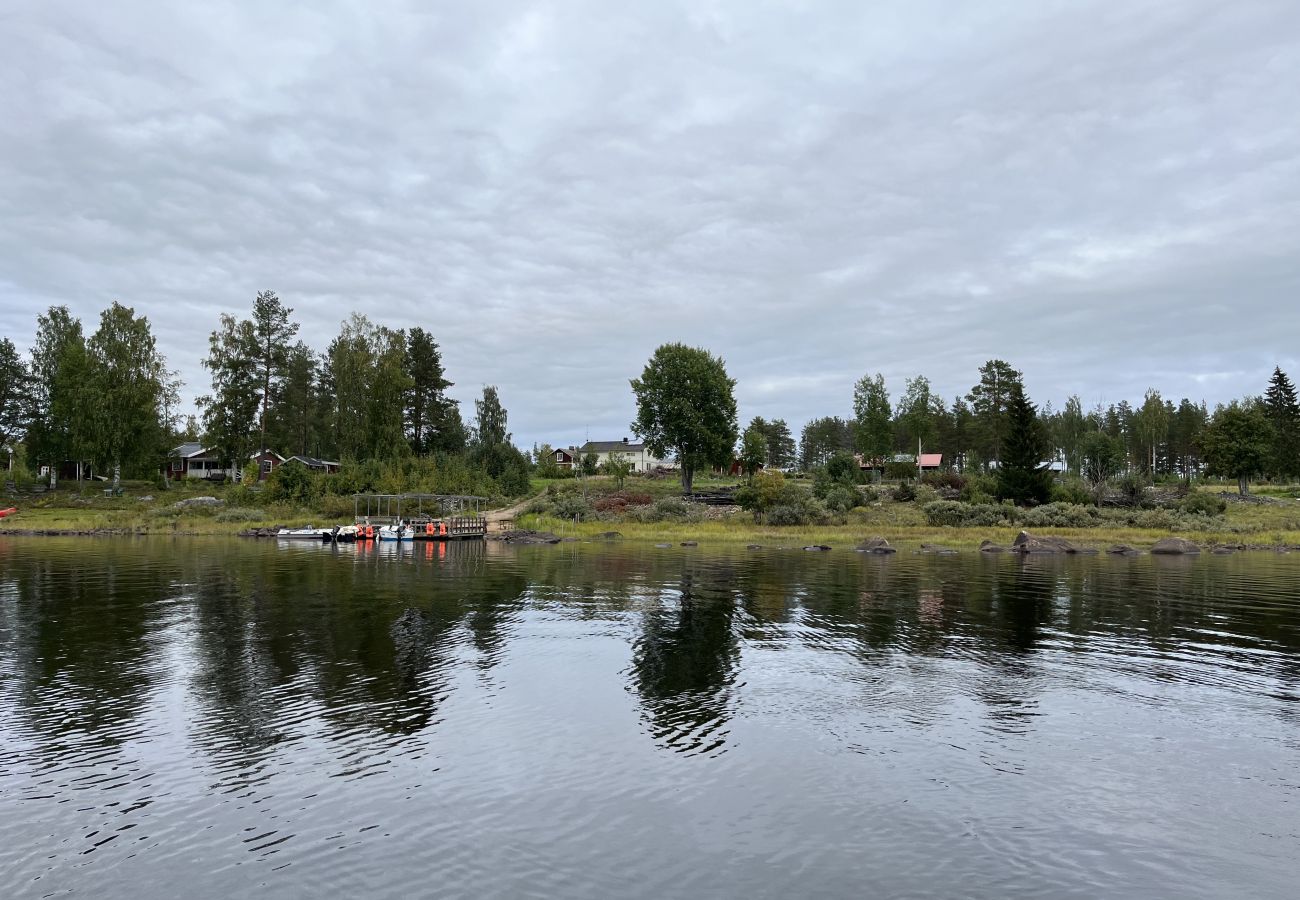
(641, 458)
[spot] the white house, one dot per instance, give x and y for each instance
(641, 458)
(193, 460)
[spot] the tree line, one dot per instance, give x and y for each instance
(109, 400)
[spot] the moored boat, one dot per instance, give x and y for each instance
(399, 532)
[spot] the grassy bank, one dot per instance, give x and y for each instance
(144, 509)
(739, 531)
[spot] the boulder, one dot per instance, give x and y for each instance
(611, 535)
(1224, 549)
(817, 547)
(690, 543)
(990, 547)
(753, 546)
(1124, 550)
(935, 548)
(1174, 546)
(875, 545)
(1028, 543)
(663, 546)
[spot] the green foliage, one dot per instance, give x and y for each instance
(589, 464)
(1283, 413)
(240, 514)
(1203, 504)
(841, 498)
(872, 425)
(1101, 457)
(990, 407)
(780, 444)
(951, 514)
(686, 407)
(60, 412)
(428, 410)
(291, 482)
(126, 380)
(895, 469)
(905, 492)
(15, 392)
(1238, 443)
(822, 437)
(1021, 476)
(1071, 490)
(572, 507)
(800, 509)
(753, 447)
(618, 467)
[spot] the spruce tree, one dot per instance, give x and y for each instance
(1283, 413)
(1021, 475)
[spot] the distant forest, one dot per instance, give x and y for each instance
(378, 395)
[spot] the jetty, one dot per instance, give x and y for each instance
(431, 517)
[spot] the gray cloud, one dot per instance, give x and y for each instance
(1103, 194)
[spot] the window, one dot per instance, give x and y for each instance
(266, 467)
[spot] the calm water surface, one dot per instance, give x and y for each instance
(222, 718)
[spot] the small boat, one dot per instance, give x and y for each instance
(8, 512)
(310, 533)
(394, 533)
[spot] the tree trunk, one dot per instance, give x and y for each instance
(117, 475)
(1242, 488)
(688, 478)
(54, 478)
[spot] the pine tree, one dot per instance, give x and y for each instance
(426, 403)
(1283, 413)
(990, 400)
(1021, 475)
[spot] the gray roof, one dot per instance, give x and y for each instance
(611, 447)
(190, 448)
(312, 462)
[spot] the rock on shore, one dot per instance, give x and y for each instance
(1175, 546)
(525, 536)
(875, 545)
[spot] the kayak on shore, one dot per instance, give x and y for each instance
(8, 512)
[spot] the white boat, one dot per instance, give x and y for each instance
(394, 533)
(310, 533)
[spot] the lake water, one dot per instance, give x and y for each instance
(224, 718)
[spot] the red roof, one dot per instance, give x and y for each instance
(930, 460)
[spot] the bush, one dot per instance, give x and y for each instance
(1133, 490)
(1203, 504)
(925, 494)
(950, 480)
(675, 509)
(841, 498)
(803, 510)
(291, 482)
(951, 513)
(905, 492)
(239, 514)
(979, 489)
(1071, 490)
(1060, 515)
(572, 507)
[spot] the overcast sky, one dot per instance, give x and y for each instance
(1105, 194)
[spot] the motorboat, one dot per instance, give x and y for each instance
(310, 533)
(399, 532)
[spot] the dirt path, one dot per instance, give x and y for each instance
(495, 516)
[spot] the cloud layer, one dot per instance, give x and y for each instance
(1104, 194)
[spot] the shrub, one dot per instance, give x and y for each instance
(571, 507)
(1203, 504)
(804, 510)
(291, 482)
(925, 494)
(675, 509)
(950, 480)
(905, 492)
(1133, 490)
(841, 498)
(1071, 490)
(239, 514)
(1060, 515)
(979, 489)
(950, 513)
(900, 469)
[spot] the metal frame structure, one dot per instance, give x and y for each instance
(388, 509)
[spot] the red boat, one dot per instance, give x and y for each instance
(8, 512)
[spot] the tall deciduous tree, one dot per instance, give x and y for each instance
(15, 390)
(127, 380)
(686, 406)
(60, 424)
(1150, 431)
(1021, 475)
(490, 445)
(230, 410)
(298, 406)
(990, 402)
(753, 447)
(872, 424)
(1283, 413)
(919, 415)
(1237, 443)
(1071, 426)
(1185, 427)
